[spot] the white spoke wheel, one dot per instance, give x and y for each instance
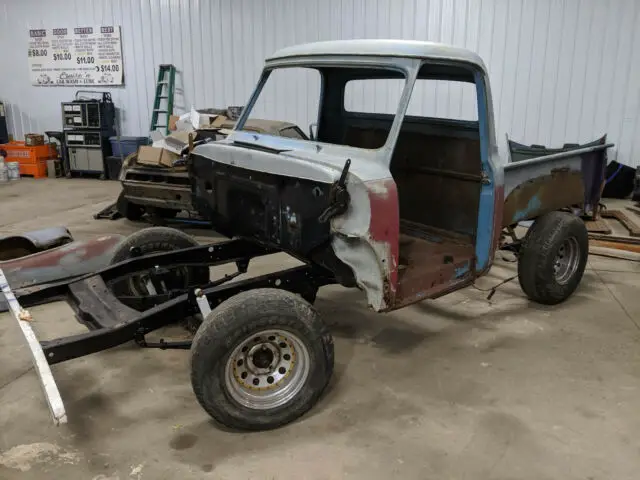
(553, 257)
(261, 359)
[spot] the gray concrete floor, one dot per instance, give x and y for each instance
(457, 388)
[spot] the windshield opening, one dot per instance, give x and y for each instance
(350, 106)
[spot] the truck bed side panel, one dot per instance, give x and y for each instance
(540, 185)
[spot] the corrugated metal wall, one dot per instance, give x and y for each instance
(562, 70)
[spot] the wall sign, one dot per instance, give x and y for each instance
(76, 56)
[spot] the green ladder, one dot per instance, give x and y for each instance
(165, 87)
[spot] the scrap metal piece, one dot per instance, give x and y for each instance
(15, 246)
(51, 392)
(110, 212)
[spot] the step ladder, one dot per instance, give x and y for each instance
(163, 102)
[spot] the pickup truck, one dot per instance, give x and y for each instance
(403, 207)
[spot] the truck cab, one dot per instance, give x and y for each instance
(403, 205)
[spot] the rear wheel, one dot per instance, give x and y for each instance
(261, 359)
(157, 240)
(553, 257)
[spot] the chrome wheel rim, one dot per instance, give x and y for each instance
(267, 369)
(566, 262)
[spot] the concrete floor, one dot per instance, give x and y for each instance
(457, 388)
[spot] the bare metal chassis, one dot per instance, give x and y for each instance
(113, 320)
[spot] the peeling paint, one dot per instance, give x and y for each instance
(379, 188)
(533, 205)
(462, 270)
(366, 239)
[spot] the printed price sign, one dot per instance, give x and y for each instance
(76, 56)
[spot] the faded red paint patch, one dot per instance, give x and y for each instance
(384, 227)
(79, 251)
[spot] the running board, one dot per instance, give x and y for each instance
(51, 392)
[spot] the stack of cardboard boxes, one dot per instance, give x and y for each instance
(168, 151)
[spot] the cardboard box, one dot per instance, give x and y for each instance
(176, 142)
(33, 139)
(156, 157)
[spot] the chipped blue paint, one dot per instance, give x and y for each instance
(462, 270)
(533, 205)
(484, 235)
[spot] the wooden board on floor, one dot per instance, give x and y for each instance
(634, 210)
(630, 225)
(597, 226)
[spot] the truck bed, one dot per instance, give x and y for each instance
(539, 185)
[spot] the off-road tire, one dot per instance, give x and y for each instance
(157, 240)
(231, 323)
(538, 253)
(128, 210)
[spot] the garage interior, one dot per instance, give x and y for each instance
(481, 383)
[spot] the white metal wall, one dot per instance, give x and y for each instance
(561, 70)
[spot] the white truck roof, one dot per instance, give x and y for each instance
(381, 47)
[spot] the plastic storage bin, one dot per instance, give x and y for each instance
(125, 146)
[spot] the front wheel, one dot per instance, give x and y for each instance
(553, 257)
(261, 359)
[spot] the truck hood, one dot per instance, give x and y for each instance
(302, 159)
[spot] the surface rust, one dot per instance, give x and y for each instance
(431, 266)
(498, 206)
(76, 258)
(544, 194)
(441, 188)
(384, 230)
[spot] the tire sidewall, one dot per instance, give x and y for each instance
(563, 290)
(540, 249)
(215, 348)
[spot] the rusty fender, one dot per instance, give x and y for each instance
(366, 239)
(543, 194)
